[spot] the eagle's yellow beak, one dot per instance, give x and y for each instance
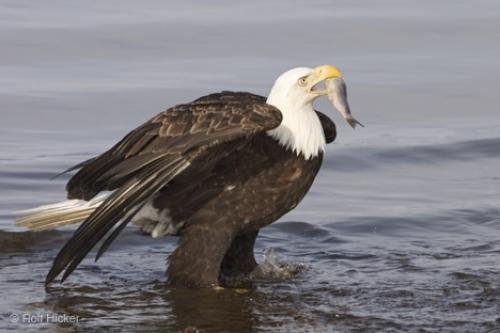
(326, 72)
(320, 74)
(335, 88)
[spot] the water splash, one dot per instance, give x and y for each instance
(275, 268)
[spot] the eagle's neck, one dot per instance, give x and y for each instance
(300, 130)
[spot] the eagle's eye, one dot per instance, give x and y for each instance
(303, 81)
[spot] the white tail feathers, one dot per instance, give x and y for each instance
(59, 214)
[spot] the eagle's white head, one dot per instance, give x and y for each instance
(293, 94)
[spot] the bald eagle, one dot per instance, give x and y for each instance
(213, 171)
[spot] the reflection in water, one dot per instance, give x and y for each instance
(375, 274)
(157, 306)
(208, 309)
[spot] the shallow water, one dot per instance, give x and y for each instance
(401, 230)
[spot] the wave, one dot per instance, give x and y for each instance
(361, 159)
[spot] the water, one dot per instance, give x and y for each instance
(400, 232)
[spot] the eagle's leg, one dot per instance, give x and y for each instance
(240, 258)
(197, 260)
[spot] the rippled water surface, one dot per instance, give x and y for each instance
(401, 230)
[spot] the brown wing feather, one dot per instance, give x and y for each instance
(208, 120)
(150, 157)
(328, 127)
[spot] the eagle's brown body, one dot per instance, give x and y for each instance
(244, 192)
(213, 168)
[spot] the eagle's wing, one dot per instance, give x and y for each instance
(328, 127)
(150, 157)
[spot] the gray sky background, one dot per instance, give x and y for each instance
(90, 66)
